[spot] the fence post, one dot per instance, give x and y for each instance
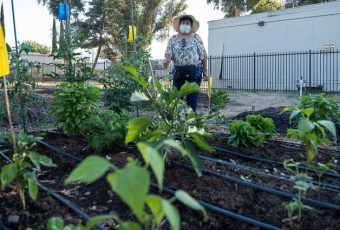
(254, 69)
(310, 70)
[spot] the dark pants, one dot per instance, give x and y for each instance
(178, 82)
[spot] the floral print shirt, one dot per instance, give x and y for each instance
(186, 52)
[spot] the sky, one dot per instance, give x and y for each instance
(33, 22)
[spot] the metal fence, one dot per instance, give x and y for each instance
(277, 71)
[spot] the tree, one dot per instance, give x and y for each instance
(232, 7)
(62, 41)
(54, 37)
(112, 18)
(266, 5)
(292, 3)
(37, 47)
(52, 5)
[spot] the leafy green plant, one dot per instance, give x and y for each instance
(296, 205)
(243, 134)
(219, 99)
(177, 120)
(132, 184)
(264, 125)
(23, 82)
(73, 104)
(311, 133)
(320, 168)
(105, 129)
(19, 171)
(325, 108)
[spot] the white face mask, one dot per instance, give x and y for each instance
(185, 29)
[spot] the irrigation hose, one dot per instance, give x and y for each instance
(204, 204)
(262, 188)
(60, 151)
(325, 186)
(272, 162)
(227, 212)
(62, 200)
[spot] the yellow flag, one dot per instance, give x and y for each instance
(131, 36)
(4, 66)
(209, 86)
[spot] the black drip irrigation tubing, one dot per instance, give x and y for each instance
(222, 211)
(272, 162)
(261, 187)
(299, 146)
(329, 187)
(61, 199)
(210, 207)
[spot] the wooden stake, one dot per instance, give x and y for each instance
(11, 130)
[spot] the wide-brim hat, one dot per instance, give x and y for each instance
(194, 27)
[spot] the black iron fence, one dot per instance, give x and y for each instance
(320, 71)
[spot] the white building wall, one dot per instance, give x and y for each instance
(294, 29)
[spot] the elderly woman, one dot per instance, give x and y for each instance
(188, 54)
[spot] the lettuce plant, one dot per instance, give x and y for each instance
(262, 124)
(243, 134)
(73, 104)
(19, 171)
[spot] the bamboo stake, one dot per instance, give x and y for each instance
(9, 117)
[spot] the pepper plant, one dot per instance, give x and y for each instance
(73, 103)
(19, 171)
(132, 184)
(177, 122)
(311, 133)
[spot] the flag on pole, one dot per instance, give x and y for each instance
(132, 36)
(209, 86)
(4, 66)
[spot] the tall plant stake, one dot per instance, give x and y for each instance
(11, 130)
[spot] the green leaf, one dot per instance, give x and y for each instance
(293, 114)
(188, 88)
(176, 145)
(32, 188)
(97, 220)
(129, 226)
(136, 127)
(308, 111)
(200, 142)
(151, 156)
(55, 223)
(186, 199)
(194, 157)
(132, 186)
(312, 151)
(38, 160)
(305, 126)
(89, 170)
(329, 125)
(155, 205)
(8, 174)
(171, 214)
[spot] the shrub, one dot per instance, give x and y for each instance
(105, 129)
(73, 104)
(325, 108)
(243, 134)
(264, 125)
